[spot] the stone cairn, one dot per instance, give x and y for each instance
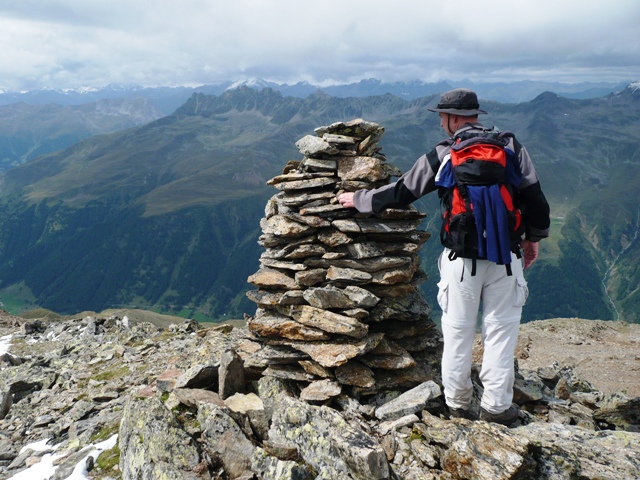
(339, 311)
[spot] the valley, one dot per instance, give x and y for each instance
(166, 215)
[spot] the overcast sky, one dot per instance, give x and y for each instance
(75, 43)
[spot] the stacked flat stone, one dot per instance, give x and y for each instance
(339, 310)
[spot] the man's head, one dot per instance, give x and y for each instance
(457, 107)
(459, 101)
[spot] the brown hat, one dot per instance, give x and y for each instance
(460, 101)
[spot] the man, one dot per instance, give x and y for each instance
(501, 292)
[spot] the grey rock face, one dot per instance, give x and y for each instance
(469, 455)
(272, 467)
(343, 451)
(6, 400)
(225, 439)
(313, 146)
(153, 445)
(564, 451)
(410, 402)
(231, 374)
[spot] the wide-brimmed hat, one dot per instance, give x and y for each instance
(460, 101)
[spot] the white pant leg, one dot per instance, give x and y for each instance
(459, 301)
(502, 300)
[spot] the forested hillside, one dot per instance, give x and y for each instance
(166, 216)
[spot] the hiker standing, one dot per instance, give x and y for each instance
(477, 270)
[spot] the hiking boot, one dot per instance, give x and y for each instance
(460, 413)
(507, 418)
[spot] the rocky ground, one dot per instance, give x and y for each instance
(188, 401)
(606, 354)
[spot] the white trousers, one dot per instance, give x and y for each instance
(459, 297)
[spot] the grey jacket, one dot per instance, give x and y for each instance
(420, 180)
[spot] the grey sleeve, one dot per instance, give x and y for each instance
(415, 183)
(533, 202)
(529, 175)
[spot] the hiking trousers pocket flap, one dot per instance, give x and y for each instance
(522, 292)
(443, 295)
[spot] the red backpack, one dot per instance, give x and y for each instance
(480, 217)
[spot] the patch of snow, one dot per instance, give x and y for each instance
(80, 472)
(252, 82)
(5, 343)
(39, 446)
(46, 469)
(86, 90)
(41, 470)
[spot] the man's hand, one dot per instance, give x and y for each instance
(530, 252)
(346, 199)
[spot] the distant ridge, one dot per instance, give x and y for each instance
(169, 98)
(31, 130)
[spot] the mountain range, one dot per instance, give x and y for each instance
(166, 215)
(168, 99)
(38, 122)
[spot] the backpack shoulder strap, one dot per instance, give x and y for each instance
(433, 158)
(517, 146)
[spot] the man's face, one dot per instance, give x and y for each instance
(445, 123)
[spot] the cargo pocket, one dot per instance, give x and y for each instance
(522, 292)
(443, 295)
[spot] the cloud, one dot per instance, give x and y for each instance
(71, 43)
